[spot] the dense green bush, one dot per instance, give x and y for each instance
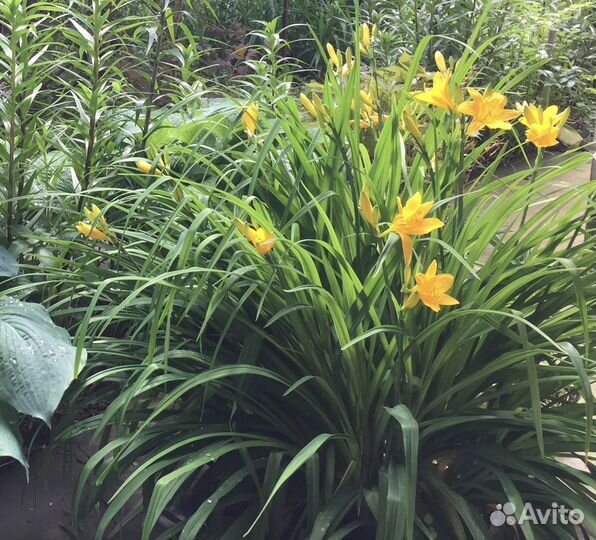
(256, 362)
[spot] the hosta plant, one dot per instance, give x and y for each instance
(37, 364)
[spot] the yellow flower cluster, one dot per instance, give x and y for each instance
(369, 114)
(410, 221)
(96, 227)
(368, 35)
(342, 66)
(261, 239)
(317, 109)
(488, 110)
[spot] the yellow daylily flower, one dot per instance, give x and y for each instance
(334, 55)
(439, 95)
(250, 119)
(315, 107)
(368, 35)
(95, 217)
(411, 221)
(412, 125)
(487, 110)
(89, 231)
(146, 168)
(369, 116)
(370, 212)
(261, 239)
(431, 289)
(544, 126)
(97, 228)
(342, 69)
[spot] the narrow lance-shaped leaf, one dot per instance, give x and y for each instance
(299, 459)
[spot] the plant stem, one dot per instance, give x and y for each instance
(459, 186)
(154, 72)
(537, 165)
(11, 192)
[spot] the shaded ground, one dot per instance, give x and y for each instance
(41, 510)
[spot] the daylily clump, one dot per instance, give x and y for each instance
(487, 110)
(411, 221)
(261, 239)
(544, 125)
(431, 289)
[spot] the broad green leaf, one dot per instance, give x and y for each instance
(10, 438)
(37, 360)
(9, 266)
(410, 437)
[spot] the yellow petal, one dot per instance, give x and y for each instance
(90, 232)
(440, 61)
(550, 113)
(308, 105)
(562, 117)
(371, 213)
(432, 305)
(333, 55)
(432, 269)
(447, 300)
(425, 226)
(407, 248)
(467, 107)
(443, 282)
(412, 301)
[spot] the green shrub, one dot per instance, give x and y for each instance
(257, 363)
(276, 384)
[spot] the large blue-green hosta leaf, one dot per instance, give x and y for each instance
(10, 439)
(9, 266)
(37, 359)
